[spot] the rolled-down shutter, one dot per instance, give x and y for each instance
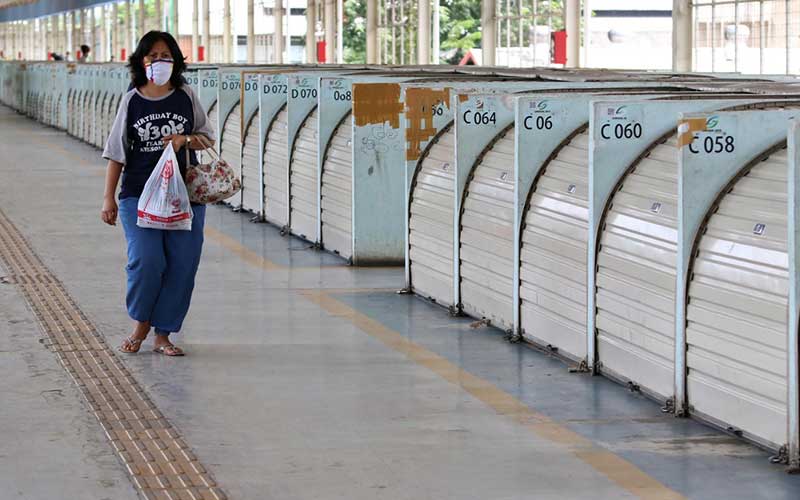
(635, 292)
(88, 116)
(212, 120)
(553, 252)
(487, 236)
(430, 222)
(737, 310)
(75, 118)
(303, 199)
(337, 189)
(252, 182)
(101, 131)
(230, 148)
(276, 165)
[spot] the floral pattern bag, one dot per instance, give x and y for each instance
(210, 182)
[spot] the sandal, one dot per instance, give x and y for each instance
(169, 350)
(131, 345)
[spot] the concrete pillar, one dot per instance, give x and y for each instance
(340, 31)
(489, 31)
(226, 32)
(681, 35)
(93, 34)
(572, 23)
(158, 22)
(104, 33)
(76, 37)
(173, 15)
(424, 35)
(436, 40)
(311, 37)
(195, 28)
(279, 41)
(206, 40)
(372, 30)
(63, 43)
(82, 37)
(126, 37)
(142, 28)
(330, 30)
(251, 31)
(115, 29)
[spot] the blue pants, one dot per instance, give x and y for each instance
(161, 268)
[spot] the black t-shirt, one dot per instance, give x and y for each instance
(138, 130)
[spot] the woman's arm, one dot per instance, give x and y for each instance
(109, 211)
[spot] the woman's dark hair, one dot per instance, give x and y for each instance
(136, 61)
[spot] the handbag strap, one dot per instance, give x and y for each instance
(206, 147)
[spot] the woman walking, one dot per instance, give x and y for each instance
(160, 108)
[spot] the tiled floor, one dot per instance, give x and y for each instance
(307, 379)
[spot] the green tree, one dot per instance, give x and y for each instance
(355, 31)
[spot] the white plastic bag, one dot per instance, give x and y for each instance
(164, 203)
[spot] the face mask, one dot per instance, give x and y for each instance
(159, 71)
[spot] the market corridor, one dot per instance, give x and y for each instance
(305, 379)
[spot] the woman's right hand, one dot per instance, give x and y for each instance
(109, 212)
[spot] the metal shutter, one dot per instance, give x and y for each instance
(337, 189)
(276, 164)
(251, 173)
(553, 252)
(303, 199)
(487, 236)
(87, 112)
(102, 120)
(635, 291)
(212, 120)
(430, 224)
(736, 316)
(231, 142)
(74, 113)
(88, 116)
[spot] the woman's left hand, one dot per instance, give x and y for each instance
(178, 141)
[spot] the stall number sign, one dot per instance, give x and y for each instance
(232, 82)
(210, 83)
(480, 115)
(540, 117)
(620, 124)
(707, 137)
(275, 87)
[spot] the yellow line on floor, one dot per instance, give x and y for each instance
(617, 469)
(240, 250)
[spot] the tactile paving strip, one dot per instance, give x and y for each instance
(159, 462)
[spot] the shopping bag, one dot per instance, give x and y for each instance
(164, 203)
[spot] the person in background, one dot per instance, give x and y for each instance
(84, 53)
(158, 109)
